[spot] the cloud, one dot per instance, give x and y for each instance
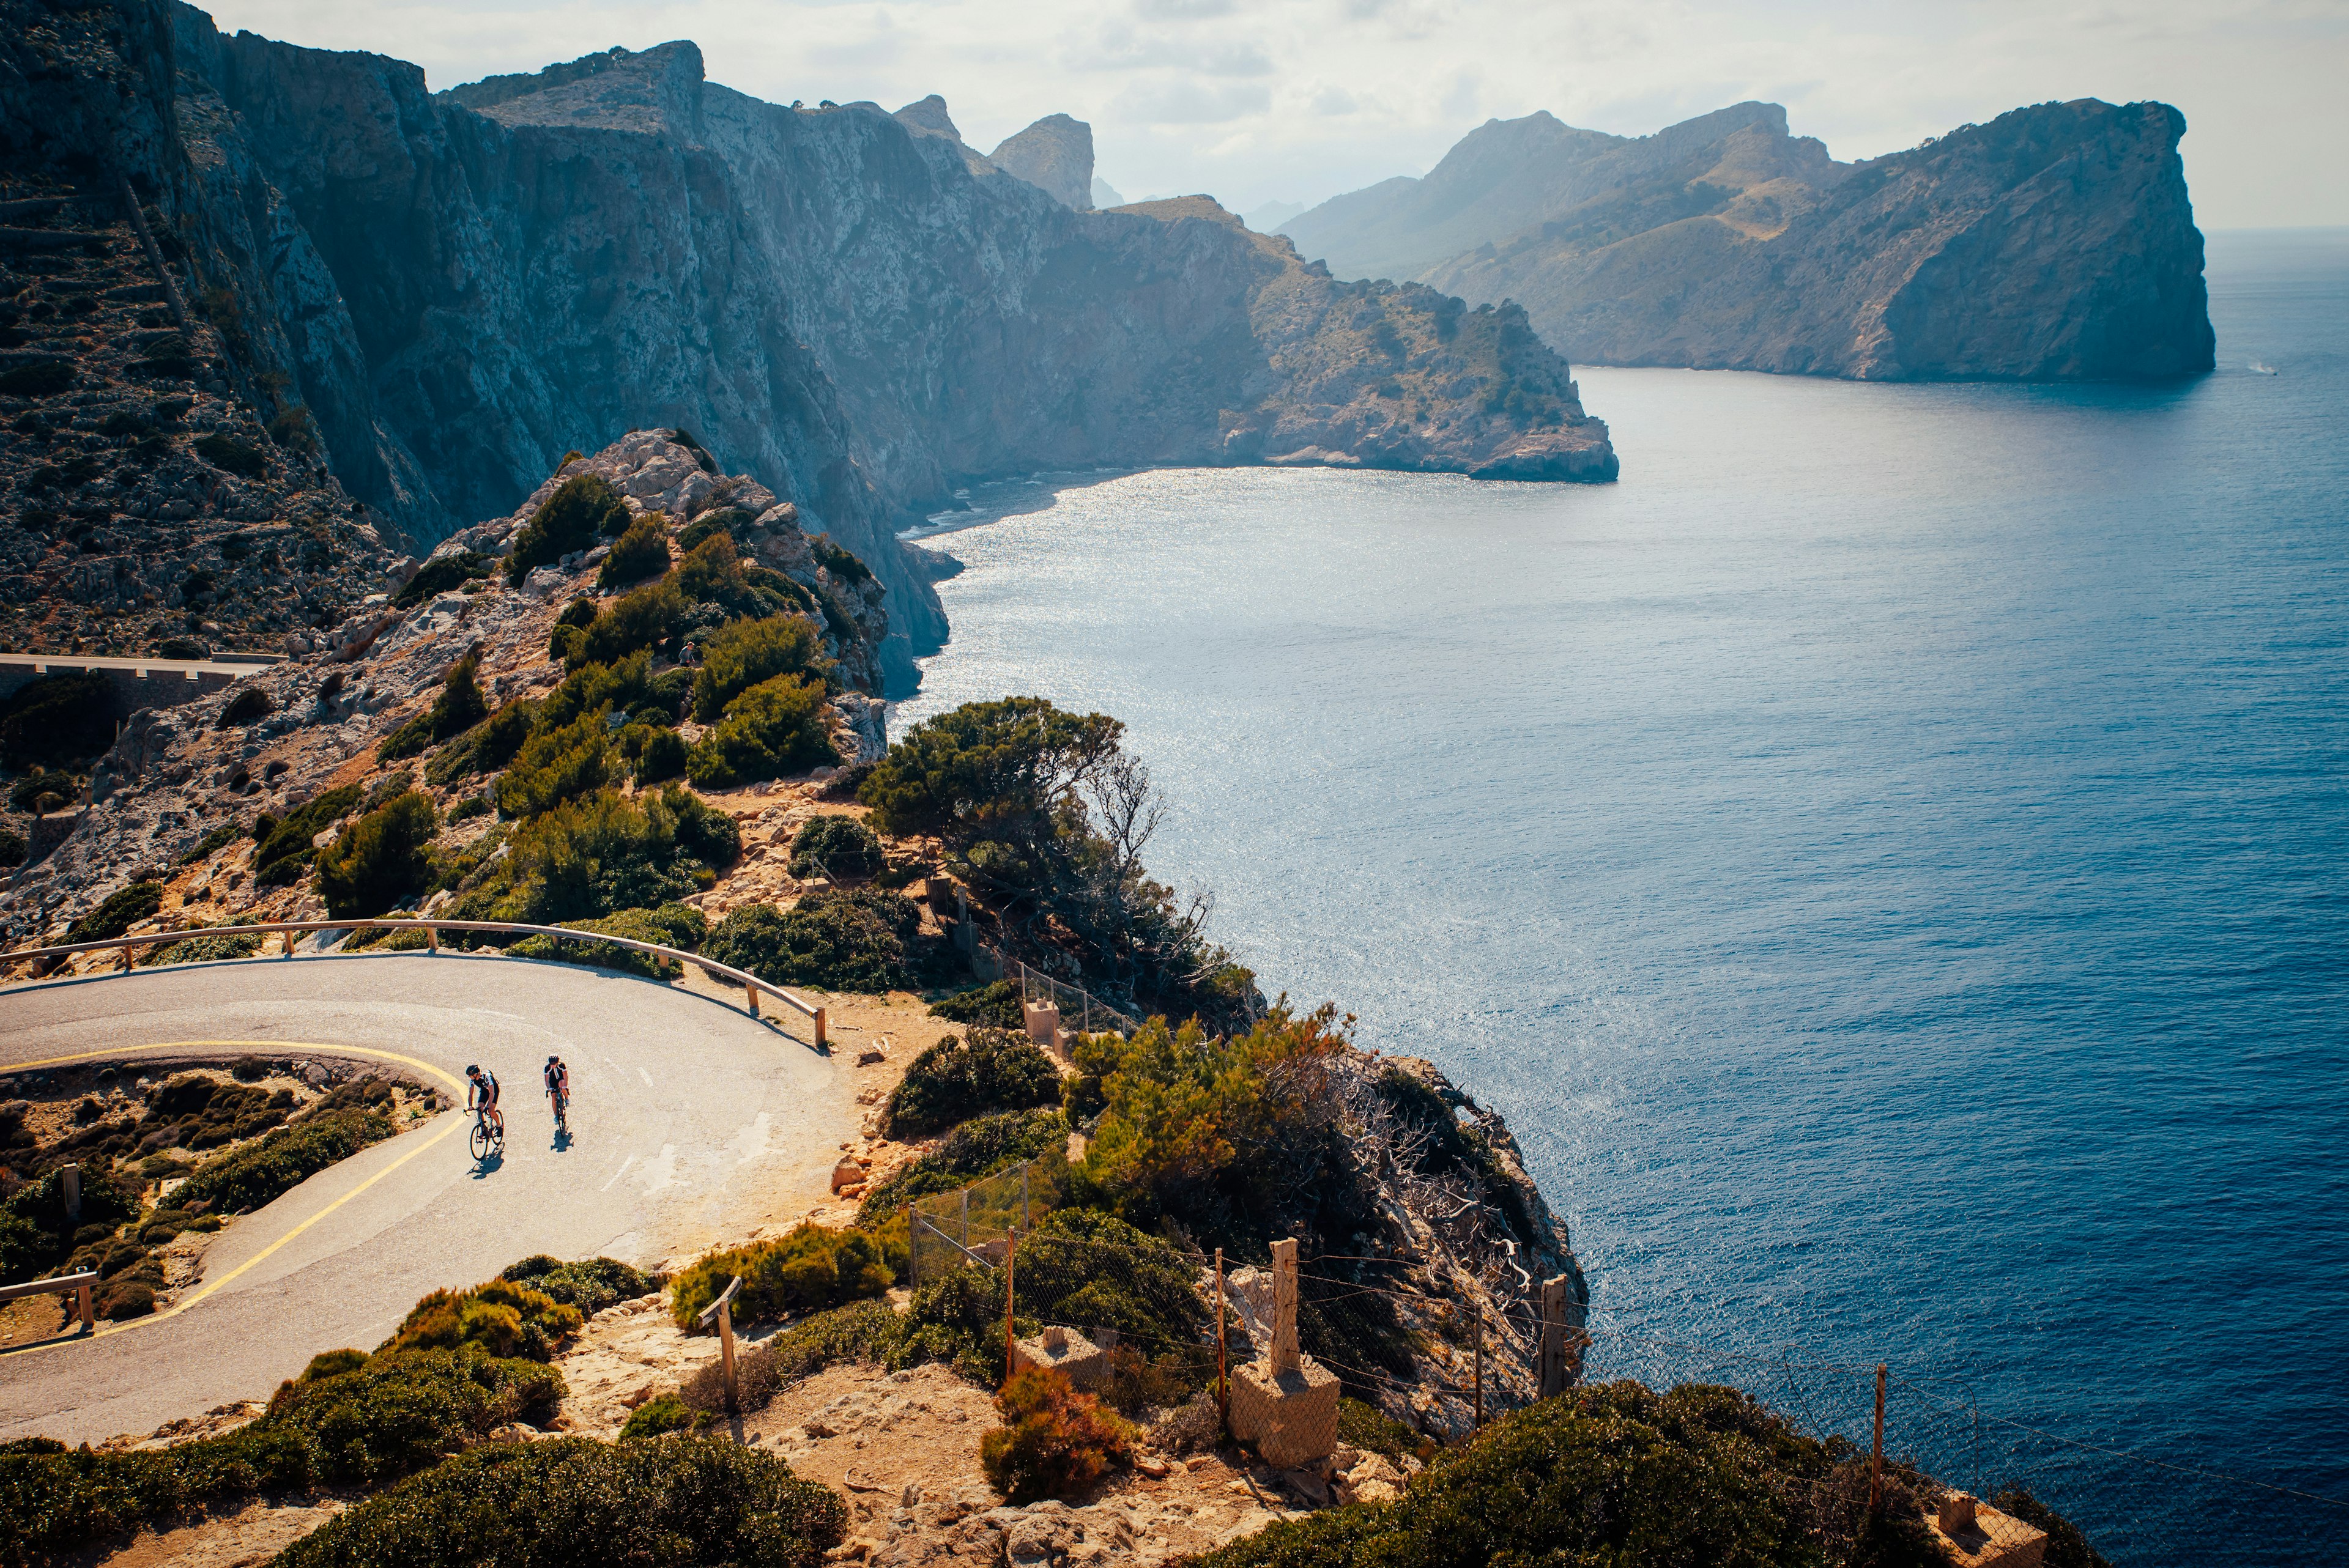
(2259, 80)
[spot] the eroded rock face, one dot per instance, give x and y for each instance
(850, 306)
(2056, 242)
(1056, 156)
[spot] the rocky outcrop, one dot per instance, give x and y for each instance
(2056, 242)
(848, 305)
(1056, 156)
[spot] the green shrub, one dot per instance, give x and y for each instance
(582, 509)
(282, 852)
(642, 618)
(620, 686)
(636, 925)
(839, 939)
(2067, 1546)
(1615, 1473)
(722, 519)
(256, 1173)
(806, 1270)
(711, 572)
(357, 1428)
(964, 1076)
(332, 1364)
(41, 378)
(1054, 1442)
(997, 1004)
(500, 1317)
(774, 728)
(456, 709)
(642, 552)
(57, 720)
(440, 574)
(658, 1417)
(662, 757)
(978, 1147)
(37, 1235)
(603, 854)
(24, 795)
(204, 950)
(744, 654)
(839, 561)
(1373, 1430)
(556, 764)
(379, 862)
(13, 848)
(591, 1284)
(211, 843)
(122, 908)
(703, 832)
(485, 748)
(1149, 1297)
(232, 456)
(836, 847)
(568, 1502)
(470, 807)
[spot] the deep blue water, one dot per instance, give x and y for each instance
(1886, 858)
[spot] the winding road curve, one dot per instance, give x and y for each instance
(691, 1121)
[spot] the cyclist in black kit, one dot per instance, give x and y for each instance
(558, 1090)
(484, 1097)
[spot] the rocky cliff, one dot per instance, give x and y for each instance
(1055, 155)
(2056, 242)
(850, 305)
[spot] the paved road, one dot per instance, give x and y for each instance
(691, 1121)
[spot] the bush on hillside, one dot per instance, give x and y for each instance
(640, 553)
(642, 618)
(744, 654)
(122, 910)
(1054, 1442)
(840, 563)
(569, 1503)
(1615, 1473)
(282, 852)
(835, 847)
(1149, 1296)
(501, 1318)
(440, 574)
(582, 509)
(978, 1147)
(603, 854)
(966, 1076)
(258, 1173)
(996, 1005)
(57, 720)
(660, 757)
(13, 848)
(590, 1284)
(2067, 1547)
(805, 1269)
(357, 1428)
(621, 686)
(212, 842)
(711, 573)
(557, 765)
(663, 927)
(25, 794)
(774, 728)
(458, 707)
(722, 519)
(35, 1233)
(838, 939)
(486, 747)
(379, 863)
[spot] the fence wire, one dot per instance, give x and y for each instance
(973, 1224)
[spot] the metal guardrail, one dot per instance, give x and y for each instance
(78, 1283)
(752, 985)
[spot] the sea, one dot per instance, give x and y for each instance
(1887, 857)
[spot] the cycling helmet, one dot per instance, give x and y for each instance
(552, 1060)
(470, 1070)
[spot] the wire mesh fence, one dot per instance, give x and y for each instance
(948, 1231)
(1080, 1010)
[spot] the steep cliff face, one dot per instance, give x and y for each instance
(1056, 156)
(850, 305)
(2056, 242)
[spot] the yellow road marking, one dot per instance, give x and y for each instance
(273, 1045)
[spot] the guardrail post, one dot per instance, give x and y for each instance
(819, 1028)
(753, 991)
(288, 951)
(88, 1318)
(126, 958)
(433, 938)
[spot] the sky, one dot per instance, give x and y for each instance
(1297, 100)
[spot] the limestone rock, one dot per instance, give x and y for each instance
(2056, 242)
(1055, 155)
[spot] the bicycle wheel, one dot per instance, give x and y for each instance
(480, 1140)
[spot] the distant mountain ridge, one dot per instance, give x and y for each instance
(448, 291)
(2056, 242)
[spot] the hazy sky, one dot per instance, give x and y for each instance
(1258, 100)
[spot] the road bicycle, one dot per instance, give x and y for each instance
(562, 1111)
(488, 1137)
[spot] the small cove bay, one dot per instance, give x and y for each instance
(1885, 857)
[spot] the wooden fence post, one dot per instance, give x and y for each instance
(1223, 1369)
(722, 1310)
(1875, 1459)
(88, 1318)
(1010, 1334)
(69, 1179)
(1553, 1337)
(819, 1028)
